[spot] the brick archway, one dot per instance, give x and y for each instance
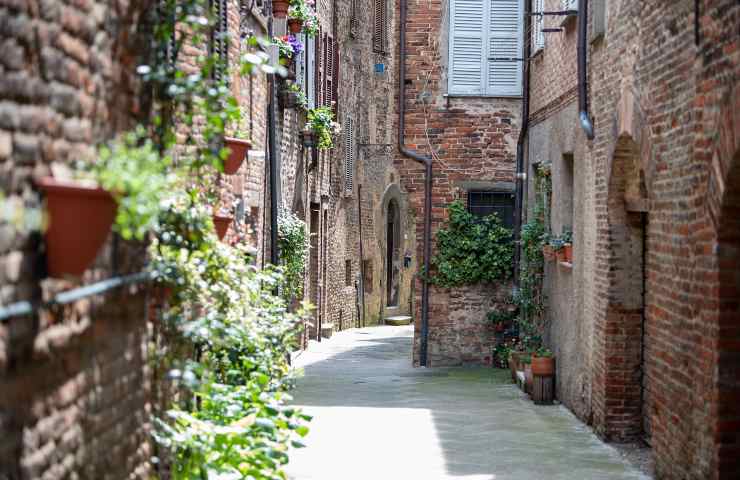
(619, 395)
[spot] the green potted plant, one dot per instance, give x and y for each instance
(543, 363)
(548, 250)
(568, 245)
(556, 244)
(291, 96)
(302, 18)
(321, 122)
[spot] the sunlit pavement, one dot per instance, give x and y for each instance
(376, 417)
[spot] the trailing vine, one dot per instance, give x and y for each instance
(534, 236)
(472, 249)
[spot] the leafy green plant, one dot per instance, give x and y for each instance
(543, 353)
(293, 245)
(321, 122)
(300, 95)
(304, 10)
(501, 316)
(471, 249)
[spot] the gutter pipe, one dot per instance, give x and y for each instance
(520, 174)
(274, 157)
(427, 162)
(586, 122)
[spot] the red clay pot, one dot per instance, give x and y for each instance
(80, 218)
(543, 366)
(561, 254)
(295, 25)
(237, 153)
(222, 222)
(568, 248)
(549, 253)
(280, 8)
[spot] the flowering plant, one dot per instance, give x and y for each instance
(288, 45)
(300, 96)
(304, 10)
(321, 121)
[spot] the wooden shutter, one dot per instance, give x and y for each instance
(329, 72)
(311, 46)
(466, 46)
(321, 72)
(218, 45)
(335, 77)
(379, 26)
(349, 155)
(504, 41)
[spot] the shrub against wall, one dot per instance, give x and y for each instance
(472, 249)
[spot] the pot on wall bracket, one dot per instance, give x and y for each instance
(237, 153)
(221, 222)
(80, 219)
(280, 8)
(543, 366)
(568, 252)
(295, 25)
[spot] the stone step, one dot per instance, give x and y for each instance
(397, 320)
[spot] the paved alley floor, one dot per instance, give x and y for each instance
(376, 417)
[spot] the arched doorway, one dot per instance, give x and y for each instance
(727, 431)
(392, 253)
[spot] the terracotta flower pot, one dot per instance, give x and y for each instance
(568, 249)
(80, 218)
(237, 153)
(561, 254)
(280, 8)
(295, 25)
(543, 366)
(222, 223)
(529, 378)
(549, 253)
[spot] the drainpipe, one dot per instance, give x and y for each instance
(274, 156)
(586, 122)
(427, 162)
(520, 173)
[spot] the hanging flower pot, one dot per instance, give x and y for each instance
(548, 252)
(80, 218)
(237, 153)
(308, 138)
(561, 254)
(288, 98)
(280, 8)
(222, 222)
(295, 25)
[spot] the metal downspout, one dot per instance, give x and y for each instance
(583, 115)
(520, 174)
(274, 157)
(427, 161)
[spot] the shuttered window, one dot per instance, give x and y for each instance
(484, 203)
(538, 23)
(219, 45)
(349, 155)
(484, 36)
(328, 72)
(380, 29)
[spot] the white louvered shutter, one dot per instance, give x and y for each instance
(504, 78)
(570, 4)
(467, 36)
(538, 21)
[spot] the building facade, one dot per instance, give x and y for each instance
(643, 320)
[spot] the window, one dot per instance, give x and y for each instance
(380, 30)
(311, 72)
(485, 45)
(367, 268)
(327, 75)
(570, 4)
(598, 24)
(349, 155)
(538, 23)
(348, 273)
(483, 203)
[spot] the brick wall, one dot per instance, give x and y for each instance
(663, 366)
(471, 139)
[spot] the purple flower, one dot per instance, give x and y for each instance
(295, 44)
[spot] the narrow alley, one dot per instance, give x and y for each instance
(431, 424)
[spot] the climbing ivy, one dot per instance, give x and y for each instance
(471, 249)
(293, 246)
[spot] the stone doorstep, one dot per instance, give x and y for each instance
(398, 320)
(327, 329)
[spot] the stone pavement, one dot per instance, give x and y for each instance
(377, 418)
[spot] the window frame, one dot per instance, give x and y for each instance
(485, 89)
(508, 221)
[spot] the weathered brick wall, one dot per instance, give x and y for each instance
(74, 380)
(471, 139)
(666, 139)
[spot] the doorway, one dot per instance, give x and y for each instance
(392, 254)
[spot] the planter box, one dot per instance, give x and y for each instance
(80, 218)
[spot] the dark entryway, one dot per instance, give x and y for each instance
(393, 244)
